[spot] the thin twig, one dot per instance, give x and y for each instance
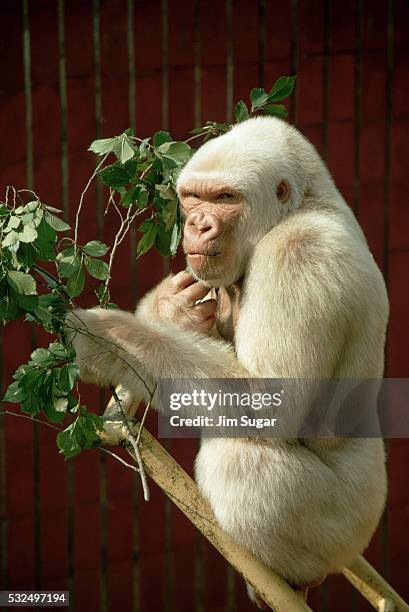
(77, 216)
(101, 448)
(145, 412)
(195, 136)
(135, 447)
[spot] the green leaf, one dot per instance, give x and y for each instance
(28, 234)
(76, 282)
(13, 223)
(103, 146)
(175, 239)
(166, 192)
(9, 310)
(169, 214)
(115, 177)
(277, 110)
(42, 357)
(59, 351)
(160, 137)
(258, 98)
(11, 238)
(14, 393)
(42, 315)
(44, 244)
(83, 433)
(179, 152)
(142, 196)
(56, 223)
(69, 441)
(95, 248)
(51, 209)
(123, 148)
(21, 282)
(241, 111)
(148, 239)
(282, 88)
(68, 376)
(162, 241)
(67, 264)
(97, 268)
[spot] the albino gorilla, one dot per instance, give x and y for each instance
(299, 296)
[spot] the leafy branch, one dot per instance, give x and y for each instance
(44, 269)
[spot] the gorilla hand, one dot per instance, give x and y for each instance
(174, 301)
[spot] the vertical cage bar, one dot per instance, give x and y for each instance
(3, 489)
(197, 75)
(165, 104)
(136, 498)
(103, 507)
(98, 106)
(357, 102)
(388, 136)
(63, 108)
(132, 124)
(384, 531)
(324, 589)
(229, 61)
(28, 96)
(325, 77)
(230, 573)
(165, 65)
(168, 600)
(197, 69)
(30, 185)
(261, 41)
(62, 79)
(294, 58)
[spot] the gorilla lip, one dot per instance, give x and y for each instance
(204, 254)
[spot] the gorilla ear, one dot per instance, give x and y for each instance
(283, 192)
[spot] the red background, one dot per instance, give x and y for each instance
(86, 527)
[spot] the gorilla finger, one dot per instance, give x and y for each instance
(181, 280)
(195, 292)
(206, 309)
(206, 324)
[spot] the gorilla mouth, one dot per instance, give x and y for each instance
(197, 254)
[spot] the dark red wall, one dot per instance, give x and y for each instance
(86, 527)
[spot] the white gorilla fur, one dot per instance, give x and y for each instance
(314, 305)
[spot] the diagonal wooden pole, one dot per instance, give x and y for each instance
(184, 493)
(373, 587)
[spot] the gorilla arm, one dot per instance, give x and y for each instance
(292, 322)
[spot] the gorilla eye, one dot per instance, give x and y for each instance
(225, 196)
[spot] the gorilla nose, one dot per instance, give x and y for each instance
(202, 227)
